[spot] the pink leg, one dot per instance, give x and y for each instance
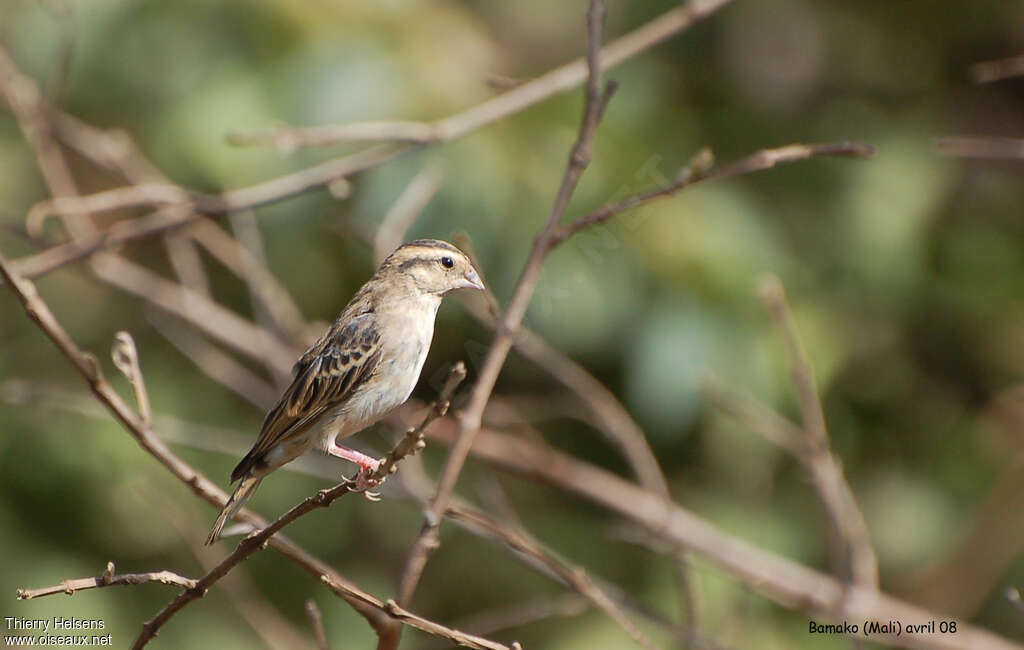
(366, 462)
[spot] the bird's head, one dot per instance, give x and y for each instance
(434, 266)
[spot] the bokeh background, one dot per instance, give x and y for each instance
(905, 273)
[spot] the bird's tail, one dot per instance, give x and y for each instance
(241, 494)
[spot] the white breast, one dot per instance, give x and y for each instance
(402, 358)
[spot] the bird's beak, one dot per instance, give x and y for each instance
(470, 280)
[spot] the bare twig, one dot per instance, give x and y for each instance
(469, 422)
(701, 169)
(402, 615)
(187, 263)
(992, 539)
(202, 312)
(266, 621)
(288, 139)
(762, 419)
(107, 579)
(316, 622)
(601, 409)
(176, 216)
(254, 268)
(998, 70)
(519, 615)
(826, 471)
(258, 540)
(115, 150)
(981, 147)
(413, 440)
(403, 212)
(126, 358)
(521, 97)
(23, 96)
(216, 363)
(266, 288)
(778, 578)
(111, 149)
(208, 438)
(376, 612)
(118, 198)
(574, 576)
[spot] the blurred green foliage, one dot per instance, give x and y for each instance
(905, 273)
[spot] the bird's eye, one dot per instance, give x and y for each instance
(447, 262)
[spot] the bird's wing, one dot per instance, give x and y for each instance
(325, 376)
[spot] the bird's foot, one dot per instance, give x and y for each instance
(363, 482)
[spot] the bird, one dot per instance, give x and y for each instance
(363, 367)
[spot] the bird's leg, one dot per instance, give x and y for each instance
(359, 458)
(367, 466)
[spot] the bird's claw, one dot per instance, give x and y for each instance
(363, 482)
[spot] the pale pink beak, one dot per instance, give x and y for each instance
(470, 280)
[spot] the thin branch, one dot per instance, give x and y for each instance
(413, 440)
(119, 198)
(264, 285)
(107, 579)
(288, 139)
(22, 94)
(760, 418)
(981, 147)
(115, 150)
(522, 614)
(126, 358)
(469, 422)
(258, 540)
(402, 615)
(701, 169)
(377, 613)
(998, 70)
(214, 362)
(245, 596)
(988, 543)
(254, 268)
(773, 297)
(316, 622)
(187, 263)
(111, 149)
(403, 212)
(826, 471)
(526, 549)
(779, 579)
(176, 216)
(521, 97)
(205, 314)
(601, 408)
(573, 575)
(413, 480)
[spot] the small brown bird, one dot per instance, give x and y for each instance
(361, 369)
